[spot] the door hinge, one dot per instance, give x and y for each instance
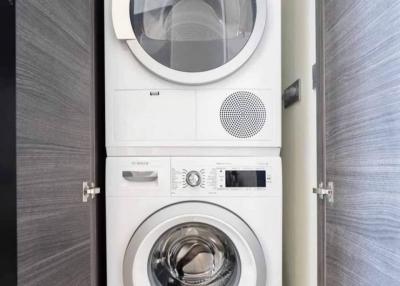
(89, 190)
(314, 76)
(325, 192)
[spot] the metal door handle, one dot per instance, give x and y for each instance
(140, 176)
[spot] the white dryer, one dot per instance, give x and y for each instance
(194, 221)
(192, 42)
(192, 73)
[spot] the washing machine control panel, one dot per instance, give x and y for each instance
(220, 175)
(194, 177)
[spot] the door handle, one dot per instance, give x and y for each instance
(140, 176)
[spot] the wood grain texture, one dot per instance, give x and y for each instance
(54, 140)
(362, 65)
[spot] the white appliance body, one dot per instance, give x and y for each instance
(149, 104)
(239, 198)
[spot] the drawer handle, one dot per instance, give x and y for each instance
(140, 176)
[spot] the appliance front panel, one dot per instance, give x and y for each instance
(193, 118)
(157, 116)
(194, 176)
(126, 213)
(127, 71)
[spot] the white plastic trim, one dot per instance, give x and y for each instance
(121, 20)
(121, 9)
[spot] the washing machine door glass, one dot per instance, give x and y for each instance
(194, 243)
(194, 254)
(193, 35)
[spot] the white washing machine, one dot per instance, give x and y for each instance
(192, 73)
(194, 221)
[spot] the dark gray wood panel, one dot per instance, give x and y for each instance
(55, 115)
(362, 85)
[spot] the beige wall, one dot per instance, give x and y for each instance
(299, 146)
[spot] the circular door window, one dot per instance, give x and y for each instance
(194, 254)
(194, 243)
(191, 41)
(193, 35)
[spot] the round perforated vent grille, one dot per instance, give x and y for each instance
(243, 114)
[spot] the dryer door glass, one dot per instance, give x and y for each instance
(193, 35)
(194, 254)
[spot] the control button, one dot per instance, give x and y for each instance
(193, 178)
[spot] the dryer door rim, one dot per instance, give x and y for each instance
(253, 262)
(124, 31)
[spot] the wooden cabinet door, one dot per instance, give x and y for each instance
(359, 131)
(55, 115)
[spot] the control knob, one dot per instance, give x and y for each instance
(193, 178)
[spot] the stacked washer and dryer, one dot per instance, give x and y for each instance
(193, 127)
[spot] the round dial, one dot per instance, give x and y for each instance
(193, 178)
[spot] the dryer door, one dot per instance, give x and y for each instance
(194, 243)
(191, 41)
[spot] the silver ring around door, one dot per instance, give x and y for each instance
(191, 41)
(204, 243)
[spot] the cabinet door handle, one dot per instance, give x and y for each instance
(140, 176)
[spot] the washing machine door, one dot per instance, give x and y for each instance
(191, 41)
(194, 243)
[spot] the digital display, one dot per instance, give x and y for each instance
(245, 179)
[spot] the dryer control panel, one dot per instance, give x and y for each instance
(234, 176)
